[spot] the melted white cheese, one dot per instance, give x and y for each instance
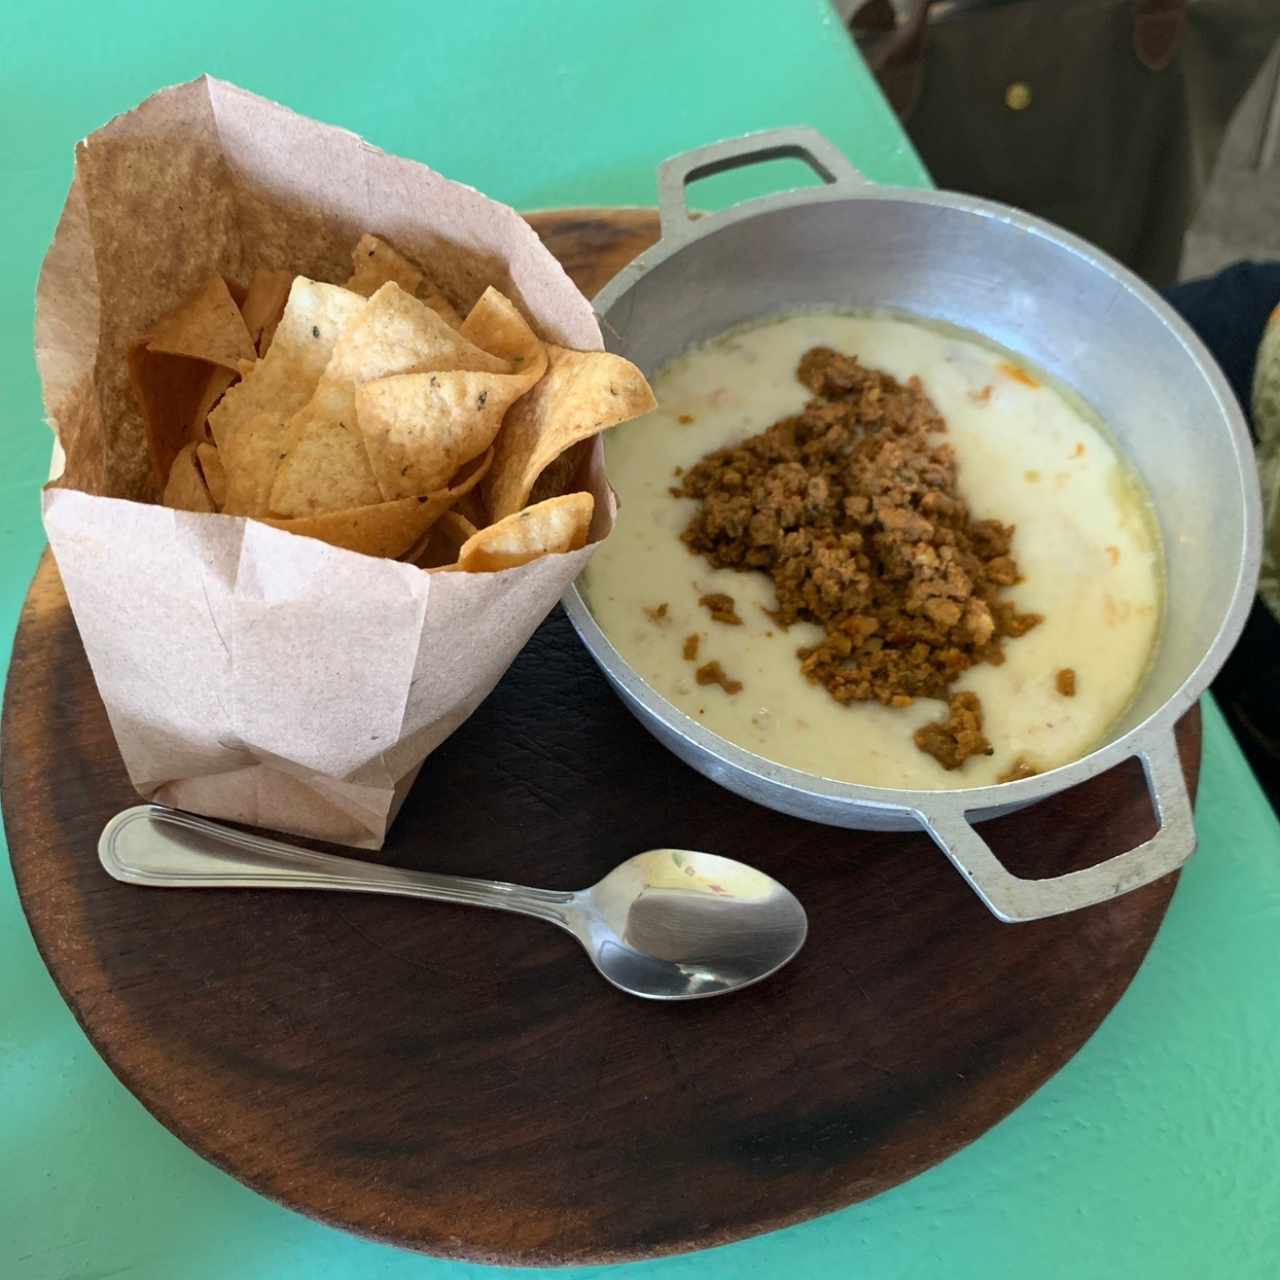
(1086, 545)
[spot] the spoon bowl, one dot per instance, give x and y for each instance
(674, 924)
(670, 924)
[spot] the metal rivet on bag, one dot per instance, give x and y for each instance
(1017, 97)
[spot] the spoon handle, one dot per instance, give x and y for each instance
(164, 848)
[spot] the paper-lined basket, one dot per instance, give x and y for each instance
(252, 674)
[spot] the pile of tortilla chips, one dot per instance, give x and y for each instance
(374, 417)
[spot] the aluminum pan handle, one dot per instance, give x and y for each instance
(796, 142)
(1014, 900)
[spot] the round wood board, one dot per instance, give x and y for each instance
(462, 1082)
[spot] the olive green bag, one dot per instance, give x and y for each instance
(1104, 116)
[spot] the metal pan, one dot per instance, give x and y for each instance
(1067, 308)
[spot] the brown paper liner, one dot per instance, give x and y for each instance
(248, 673)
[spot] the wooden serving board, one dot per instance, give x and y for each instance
(462, 1082)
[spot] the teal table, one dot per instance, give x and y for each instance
(1155, 1153)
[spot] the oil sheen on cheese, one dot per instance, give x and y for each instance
(1086, 543)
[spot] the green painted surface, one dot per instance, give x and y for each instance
(1155, 1153)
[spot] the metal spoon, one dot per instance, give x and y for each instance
(669, 924)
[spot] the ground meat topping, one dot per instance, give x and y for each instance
(713, 673)
(953, 740)
(851, 507)
(690, 650)
(722, 608)
(1066, 682)
(657, 613)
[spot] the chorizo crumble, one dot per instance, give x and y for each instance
(714, 673)
(722, 608)
(851, 508)
(953, 740)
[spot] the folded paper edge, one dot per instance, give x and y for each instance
(67, 330)
(66, 323)
(591, 337)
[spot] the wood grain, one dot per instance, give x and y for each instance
(463, 1083)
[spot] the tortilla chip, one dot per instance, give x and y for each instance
(208, 327)
(374, 262)
(419, 428)
(496, 325)
(186, 489)
(433, 298)
(283, 381)
(399, 334)
(215, 477)
(326, 465)
(250, 456)
(463, 491)
(167, 390)
(581, 394)
(257, 410)
(178, 371)
(550, 528)
(263, 306)
(385, 528)
(464, 483)
(215, 387)
(560, 476)
(472, 506)
(440, 547)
